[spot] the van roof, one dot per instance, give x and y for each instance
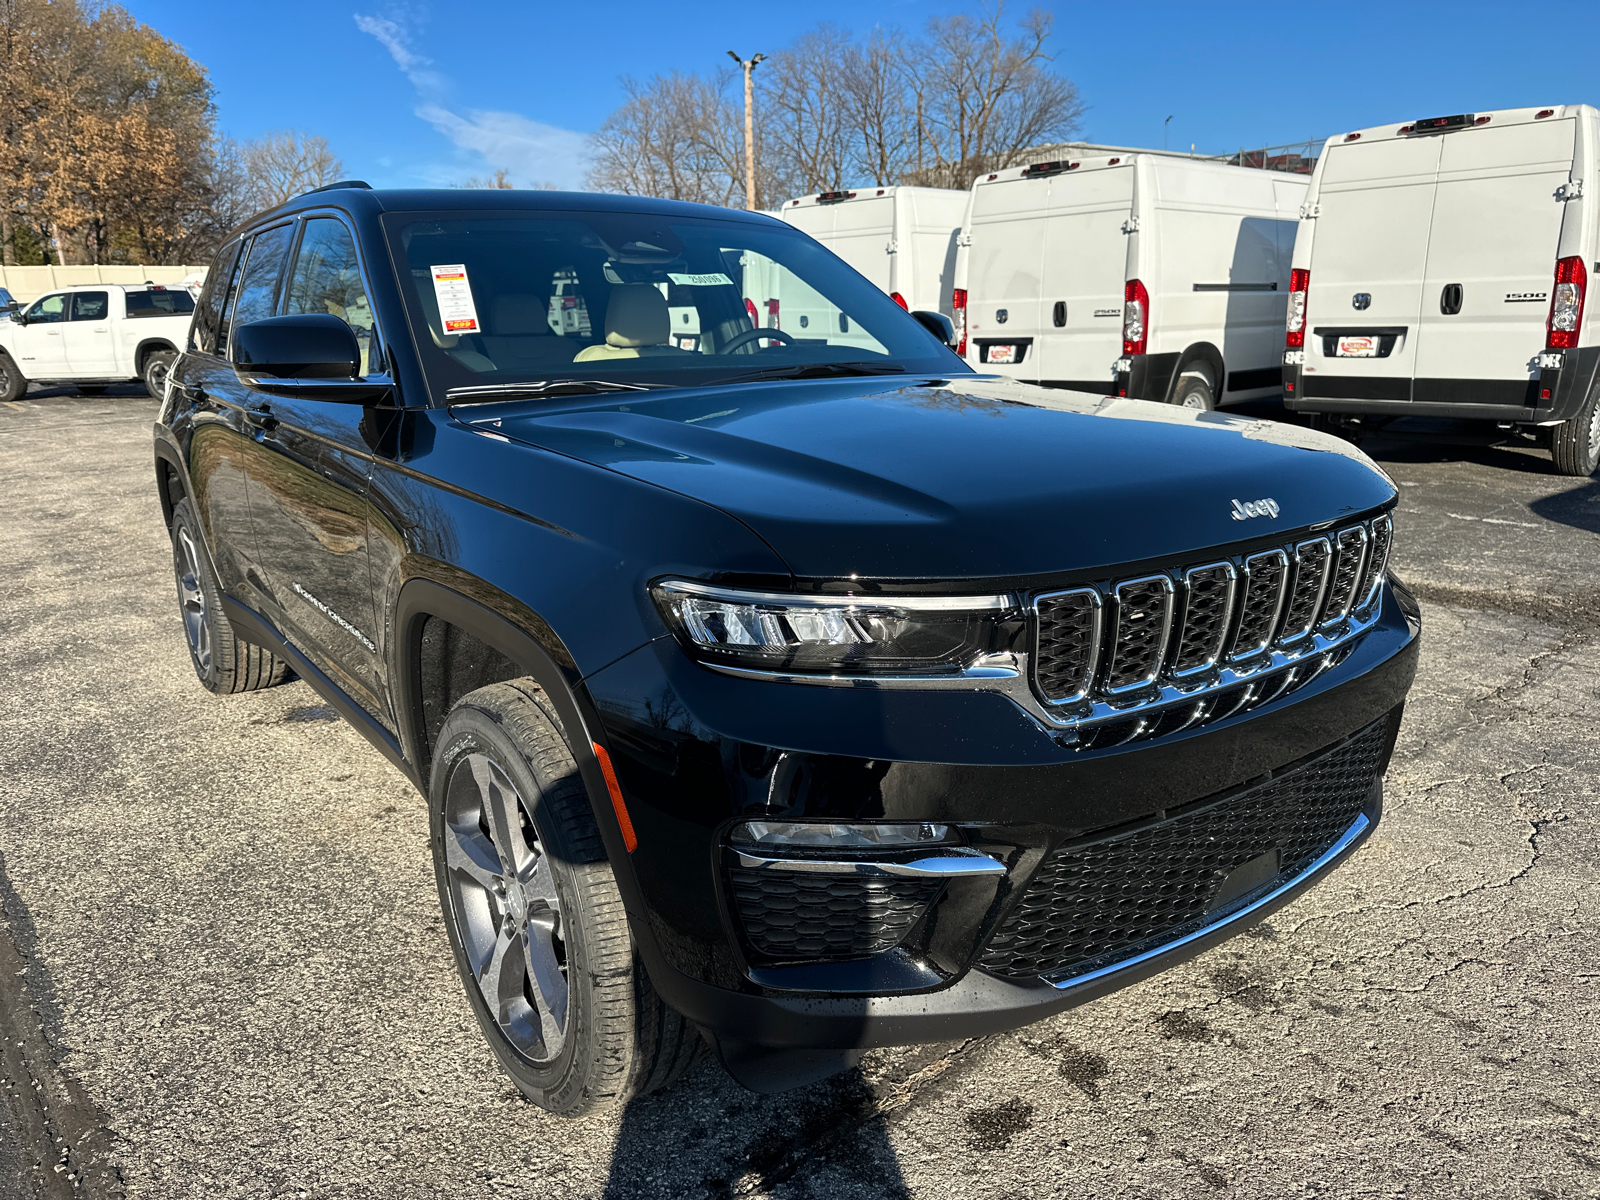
(1496, 117)
(1040, 170)
(845, 195)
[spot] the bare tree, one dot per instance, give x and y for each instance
(805, 103)
(282, 165)
(982, 99)
(499, 181)
(881, 119)
(677, 137)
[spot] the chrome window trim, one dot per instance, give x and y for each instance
(1227, 616)
(1239, 653)
(1160, 657)
(1097, 630)
(1239, 915)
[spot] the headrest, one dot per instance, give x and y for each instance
(520, 316)
(637, 316)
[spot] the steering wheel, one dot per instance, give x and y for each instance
(751, 335)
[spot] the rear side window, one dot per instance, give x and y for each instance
(208, 321)
(160, 302)
(263, 272)
(229, 300)
(90, 306)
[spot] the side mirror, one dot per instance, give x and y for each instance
(315, 355)
(936, 323)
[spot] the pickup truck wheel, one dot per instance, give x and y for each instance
(1575, 443)
(224, 663)
(155, 373)
(534, 916)
(12, 381)
(1194, 390)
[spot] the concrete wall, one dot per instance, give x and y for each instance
(28, 283)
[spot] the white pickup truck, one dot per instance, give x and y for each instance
(94, 335)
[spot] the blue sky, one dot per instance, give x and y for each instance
(428, 93)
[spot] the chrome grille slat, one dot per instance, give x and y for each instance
(1350, 549)
(1157, 654)
(1066, 643)
(1265, 575)
(1310, 581)
(1207, 608)
(1143, 625)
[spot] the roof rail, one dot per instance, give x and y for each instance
(343, 183)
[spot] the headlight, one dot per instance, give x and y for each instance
(838, 635)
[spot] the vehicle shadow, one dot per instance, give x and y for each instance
(707, 1137)
(1578, 508)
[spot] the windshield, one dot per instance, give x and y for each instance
(636, 298)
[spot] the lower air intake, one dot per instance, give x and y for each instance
(1095, 902)
(795, 916)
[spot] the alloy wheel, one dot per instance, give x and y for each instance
(505, 907)
(192, 599)
(155, 380)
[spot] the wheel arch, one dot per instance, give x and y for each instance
(1199, 353)
(146, 348)
(172, 481)
(517, 647)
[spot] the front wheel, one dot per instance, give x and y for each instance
(534, 917)
(155, 372)
(12, 381)
(1575, 443)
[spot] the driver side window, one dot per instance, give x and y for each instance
(47, 310)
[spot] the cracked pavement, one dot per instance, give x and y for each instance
(234, 981)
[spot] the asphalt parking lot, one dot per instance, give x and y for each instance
(222, 972)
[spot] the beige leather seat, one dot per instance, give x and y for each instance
(519, 337)
(637, 325)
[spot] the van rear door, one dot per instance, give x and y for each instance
(1491, 256)
(1085, 269)
(1368, 254)
(1004, 261)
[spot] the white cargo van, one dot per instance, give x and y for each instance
(1440, 270)
(1154, 276)
(901, 238)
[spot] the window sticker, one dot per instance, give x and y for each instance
(714, 279)
(454, 292)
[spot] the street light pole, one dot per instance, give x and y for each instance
(747, 66)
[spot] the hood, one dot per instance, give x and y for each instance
(967, 478)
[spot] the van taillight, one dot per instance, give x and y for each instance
(772, 315)
(1566, 304)
(1295, 335)
(958, 305)
(1135, 317)
(900, 300)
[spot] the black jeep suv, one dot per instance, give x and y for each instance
(774, 681)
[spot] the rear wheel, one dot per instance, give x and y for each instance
(1575, 443)
(1195, 389)
(534, 916)
(12, 381)
(155, 373)
(223, 662)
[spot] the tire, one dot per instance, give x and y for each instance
(91, 389)
(1575, 443)
(1194, 389)
(155, 373)
(12, 382)
(223, 662)
(533, 914)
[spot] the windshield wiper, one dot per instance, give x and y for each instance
(538, 387)
(819, 371)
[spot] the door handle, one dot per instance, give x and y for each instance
(1058, 315)
(261, 418)
(1450, 299)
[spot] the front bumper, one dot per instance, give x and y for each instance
(695, 751)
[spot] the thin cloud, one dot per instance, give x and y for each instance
(529, 150)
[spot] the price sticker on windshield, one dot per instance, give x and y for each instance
(453, 290)
(713, 279)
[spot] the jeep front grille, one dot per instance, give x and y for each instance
(1114, 895)
(1163, 651)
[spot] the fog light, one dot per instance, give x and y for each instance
(830, 836)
